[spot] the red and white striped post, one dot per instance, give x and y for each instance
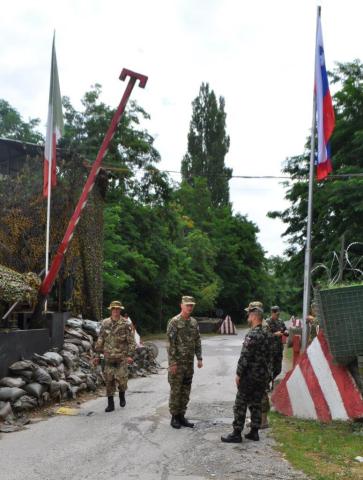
(49, 279)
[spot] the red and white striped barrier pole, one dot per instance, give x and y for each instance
(49, 279)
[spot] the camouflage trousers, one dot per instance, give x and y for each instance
(277, 364)
(115, 372)
(247, 398)
(180, 386)
(265, 403)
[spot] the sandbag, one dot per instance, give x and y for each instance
(74, 322)
(42, 376)
(74, 379)
(25, 403)
(21, 365)
(64, 387)
(53, 358)
(86, 345)
(90, 383)
(5, 410)
(11, 394)
(71, 347)
(54, 373)
(35, 389)
(12, 382)
(55, 389)
(26, 375)
(68, 358)
(40, 360)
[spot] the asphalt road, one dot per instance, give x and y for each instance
(137, 442)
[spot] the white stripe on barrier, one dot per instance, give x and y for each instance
(326, 381)
(301, 402)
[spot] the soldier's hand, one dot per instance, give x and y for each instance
(238, 379)
(173, 369)
(130, 360)
(96, 361)
(278, 334)
(200, 363)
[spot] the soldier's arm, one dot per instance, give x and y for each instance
(245, 356)
(130, 341)
(171, 333)
(198, 345)
(284, 329)
(100, 341)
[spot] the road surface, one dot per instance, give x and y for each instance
(137, 442)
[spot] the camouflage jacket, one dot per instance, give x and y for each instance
(277, 326)
(116, 340)
(254, 364)
(184, 340)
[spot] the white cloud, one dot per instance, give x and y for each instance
(258, 55)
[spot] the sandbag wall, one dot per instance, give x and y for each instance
(62, 374)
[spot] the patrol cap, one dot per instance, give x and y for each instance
(275, 308)
(188, 300)
(116, 304)
(258, 306)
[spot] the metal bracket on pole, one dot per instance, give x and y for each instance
(49, 279)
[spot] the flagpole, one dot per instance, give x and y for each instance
(307, 266)
(50, 166)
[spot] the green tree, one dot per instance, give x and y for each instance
(14, 127)
(208, 144)
(338, 202)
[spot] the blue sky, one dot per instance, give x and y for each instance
(258, 55)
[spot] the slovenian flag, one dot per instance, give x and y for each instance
(324, 108)
(54, 125)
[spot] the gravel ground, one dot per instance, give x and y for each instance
(138, 443)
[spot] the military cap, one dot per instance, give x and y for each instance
(275, 308)
(258, 306)
(188, 300)
(116, 304)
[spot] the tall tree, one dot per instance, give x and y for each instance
(338, 202)
(208, 144)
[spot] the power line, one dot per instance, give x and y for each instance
(248, 177)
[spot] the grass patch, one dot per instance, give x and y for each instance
(322, 451)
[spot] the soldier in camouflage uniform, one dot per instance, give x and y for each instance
(253, 372)
(278, 329)
(116, 342)
(184, 342)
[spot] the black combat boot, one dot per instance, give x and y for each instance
(234, 437)
(175, 422)
(122, 399)
(184, 422)
(253, 434)
(111, 405)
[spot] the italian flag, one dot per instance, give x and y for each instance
(54, 125)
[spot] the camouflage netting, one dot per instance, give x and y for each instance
(17, 287)
(22, 232)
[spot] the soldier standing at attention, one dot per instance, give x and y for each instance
(116, 342)
(184, 342)
(253, 372)
(278, 329)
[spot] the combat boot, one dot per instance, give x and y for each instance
(234, 437)
(175, 422)
(111, 405)
(253, 434)
(122, 399)
(184, 422)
